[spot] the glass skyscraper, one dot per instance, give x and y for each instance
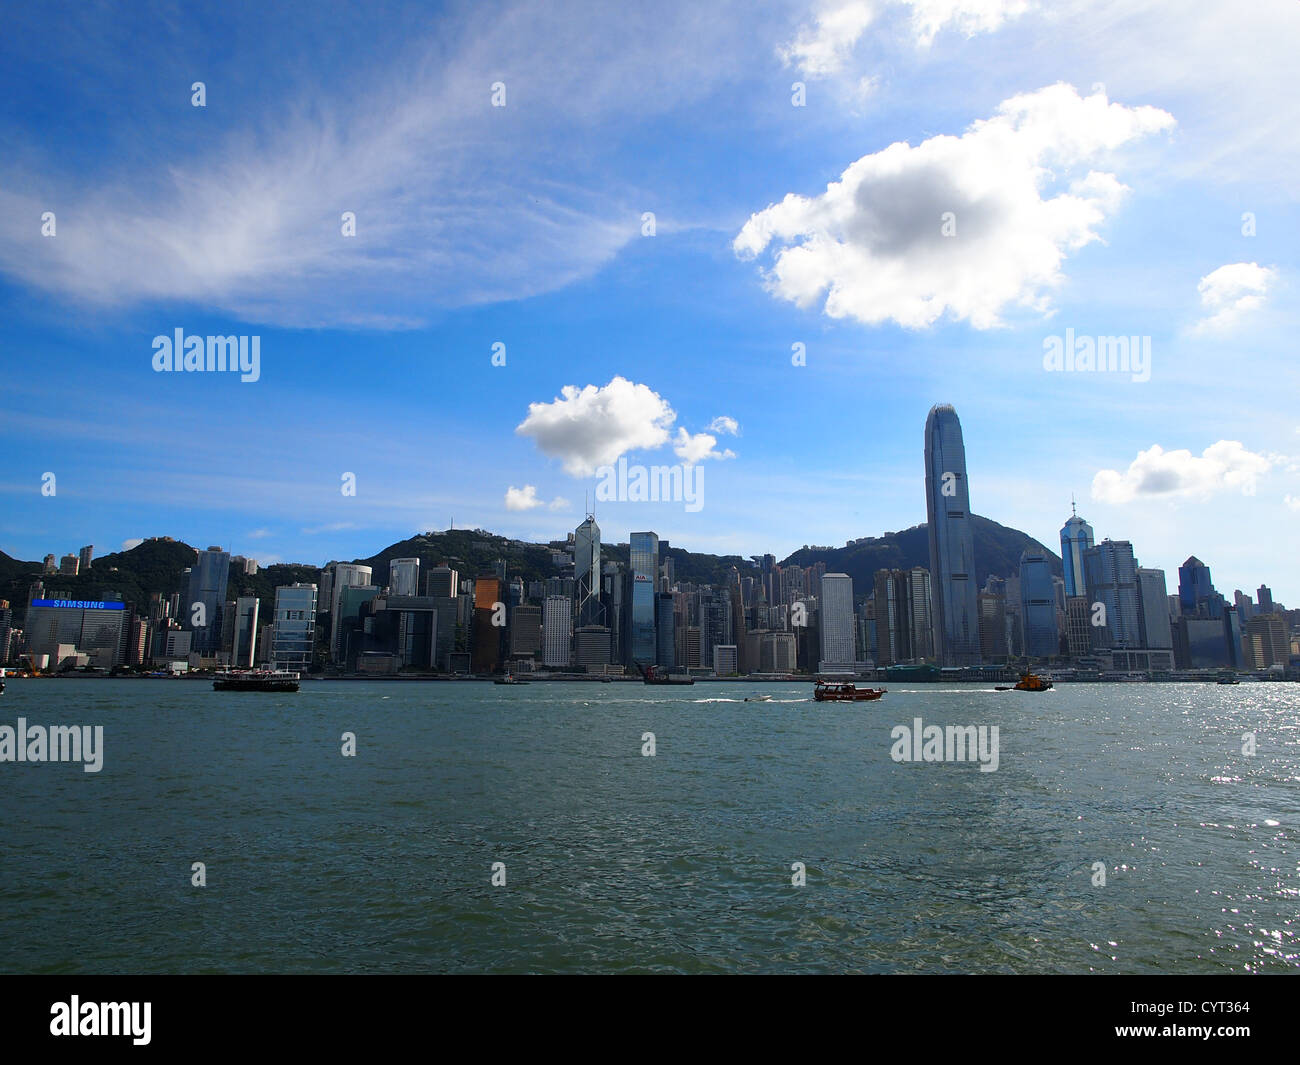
(1110, 572)
(293, 638)
(643, 556)
(1038, 605)
(952, 546)
(1196, 594)
(586, 573)
(208, 578)
(1076, 538)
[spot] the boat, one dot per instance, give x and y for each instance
(1224, 678)
(843, 691)
(509, 678)
(758, 698)
(256, 680)
(1028, 682)
(655, 675)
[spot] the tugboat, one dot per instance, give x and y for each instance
(653, 675)
(1028, 682)
(843, 691)
(509, 678)
(256, 680)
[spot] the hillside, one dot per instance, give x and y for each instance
(997, 552)
(156, 565)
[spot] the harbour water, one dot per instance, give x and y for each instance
(680, 861)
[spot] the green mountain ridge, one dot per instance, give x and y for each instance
(156, 565)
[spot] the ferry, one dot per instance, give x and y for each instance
(842, 691)
(654, 675)
(256, 680)
(509, 678)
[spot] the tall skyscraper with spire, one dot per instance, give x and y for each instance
(586, 573)
(1076, 538)
(952, 543)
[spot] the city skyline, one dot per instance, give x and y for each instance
(503, 319)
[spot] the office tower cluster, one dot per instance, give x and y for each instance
(1102, 612)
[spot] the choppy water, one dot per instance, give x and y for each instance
(679, 862)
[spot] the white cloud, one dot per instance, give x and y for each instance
(1231, 292)
(875, 242)
(259, 534)
(525, 498)
(1221, 467)
(968, 17)
(522, 498)
(824, 46)
(591, 427)
(134, 542)
(694, 449)
(724, 424)
(1292, 502)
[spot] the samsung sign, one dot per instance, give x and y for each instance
(79, 604)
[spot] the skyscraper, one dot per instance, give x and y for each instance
(1076, 538)
(1110, 573)
(1038, 605)
(557, 624)
(1196, 594)
(443, 582)
(489, 624)
(1265, 599)
(85, 557)
(838, 650)
(586, 573)
(346, 575)
(952, 547)
(1153, 609)
(244, 638)
(643, 556)
(404, 576)
(207, 586)
(665, 631)
(294, 635)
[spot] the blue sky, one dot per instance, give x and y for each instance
(1097, 161)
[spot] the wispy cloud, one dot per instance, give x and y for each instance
(456, 201)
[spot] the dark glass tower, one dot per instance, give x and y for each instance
(952, 547)
(643, 556)
(208, 578)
